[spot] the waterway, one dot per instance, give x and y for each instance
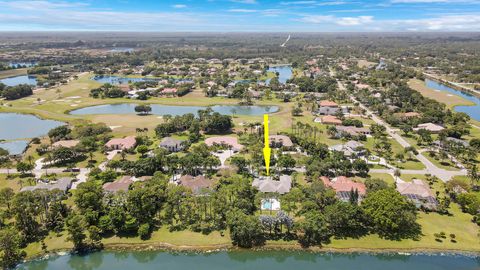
(265, 260)
(472, 111)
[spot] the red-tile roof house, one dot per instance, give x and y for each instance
(224, 140)
(277, 141)
(126, 143)
(331, 120)
(343, 186)
(124, 87)
(169, 91)
(328, 103)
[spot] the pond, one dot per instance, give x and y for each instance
(277, 260)
(15, 147)
(157, 109)
(125, 80)
(23, 79)
(472, 111)
(15, 126)
(284, 73)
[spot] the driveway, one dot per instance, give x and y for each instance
(223, 156)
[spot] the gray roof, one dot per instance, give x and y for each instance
(268, 185)
(171, 142)
(62, 184)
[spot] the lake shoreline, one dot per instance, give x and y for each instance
(208, 249)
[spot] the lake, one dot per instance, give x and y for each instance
(284, 73)
(125, 80)
(15, 147)
(266, 260)
(15, 126)
(472, 111)
(157, 109)
(23, 79)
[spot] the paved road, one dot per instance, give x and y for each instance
(431, 168)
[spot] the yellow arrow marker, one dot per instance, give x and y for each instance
(266, 150)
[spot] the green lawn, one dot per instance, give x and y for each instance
(12, 73)
(444, 164)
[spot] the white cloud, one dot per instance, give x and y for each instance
(179, 6)
(242, 10)
(351, 21)
(41, 5)
(342, 21)
(457, 22)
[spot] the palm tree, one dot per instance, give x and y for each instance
(30, 159)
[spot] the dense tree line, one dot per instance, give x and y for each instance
(15, 92)
(207, 121)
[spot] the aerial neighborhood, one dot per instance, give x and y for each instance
(164, 142)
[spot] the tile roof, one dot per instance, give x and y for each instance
(125, 143)
(117, 185)
(269, 185)
(284, 140)
(328, 103)
(197, 184)
(232, 141)
(344, 184)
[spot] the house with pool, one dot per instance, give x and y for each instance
(273, 185)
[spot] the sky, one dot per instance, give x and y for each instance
(241, 15)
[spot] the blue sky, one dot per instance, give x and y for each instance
(241, 15)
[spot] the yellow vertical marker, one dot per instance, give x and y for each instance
(266, 150)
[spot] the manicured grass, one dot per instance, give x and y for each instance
(444, 164)
(458, 223)
(12, 73)
(12, 183)
(383, 176)
(181, 238)
(410, 177)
